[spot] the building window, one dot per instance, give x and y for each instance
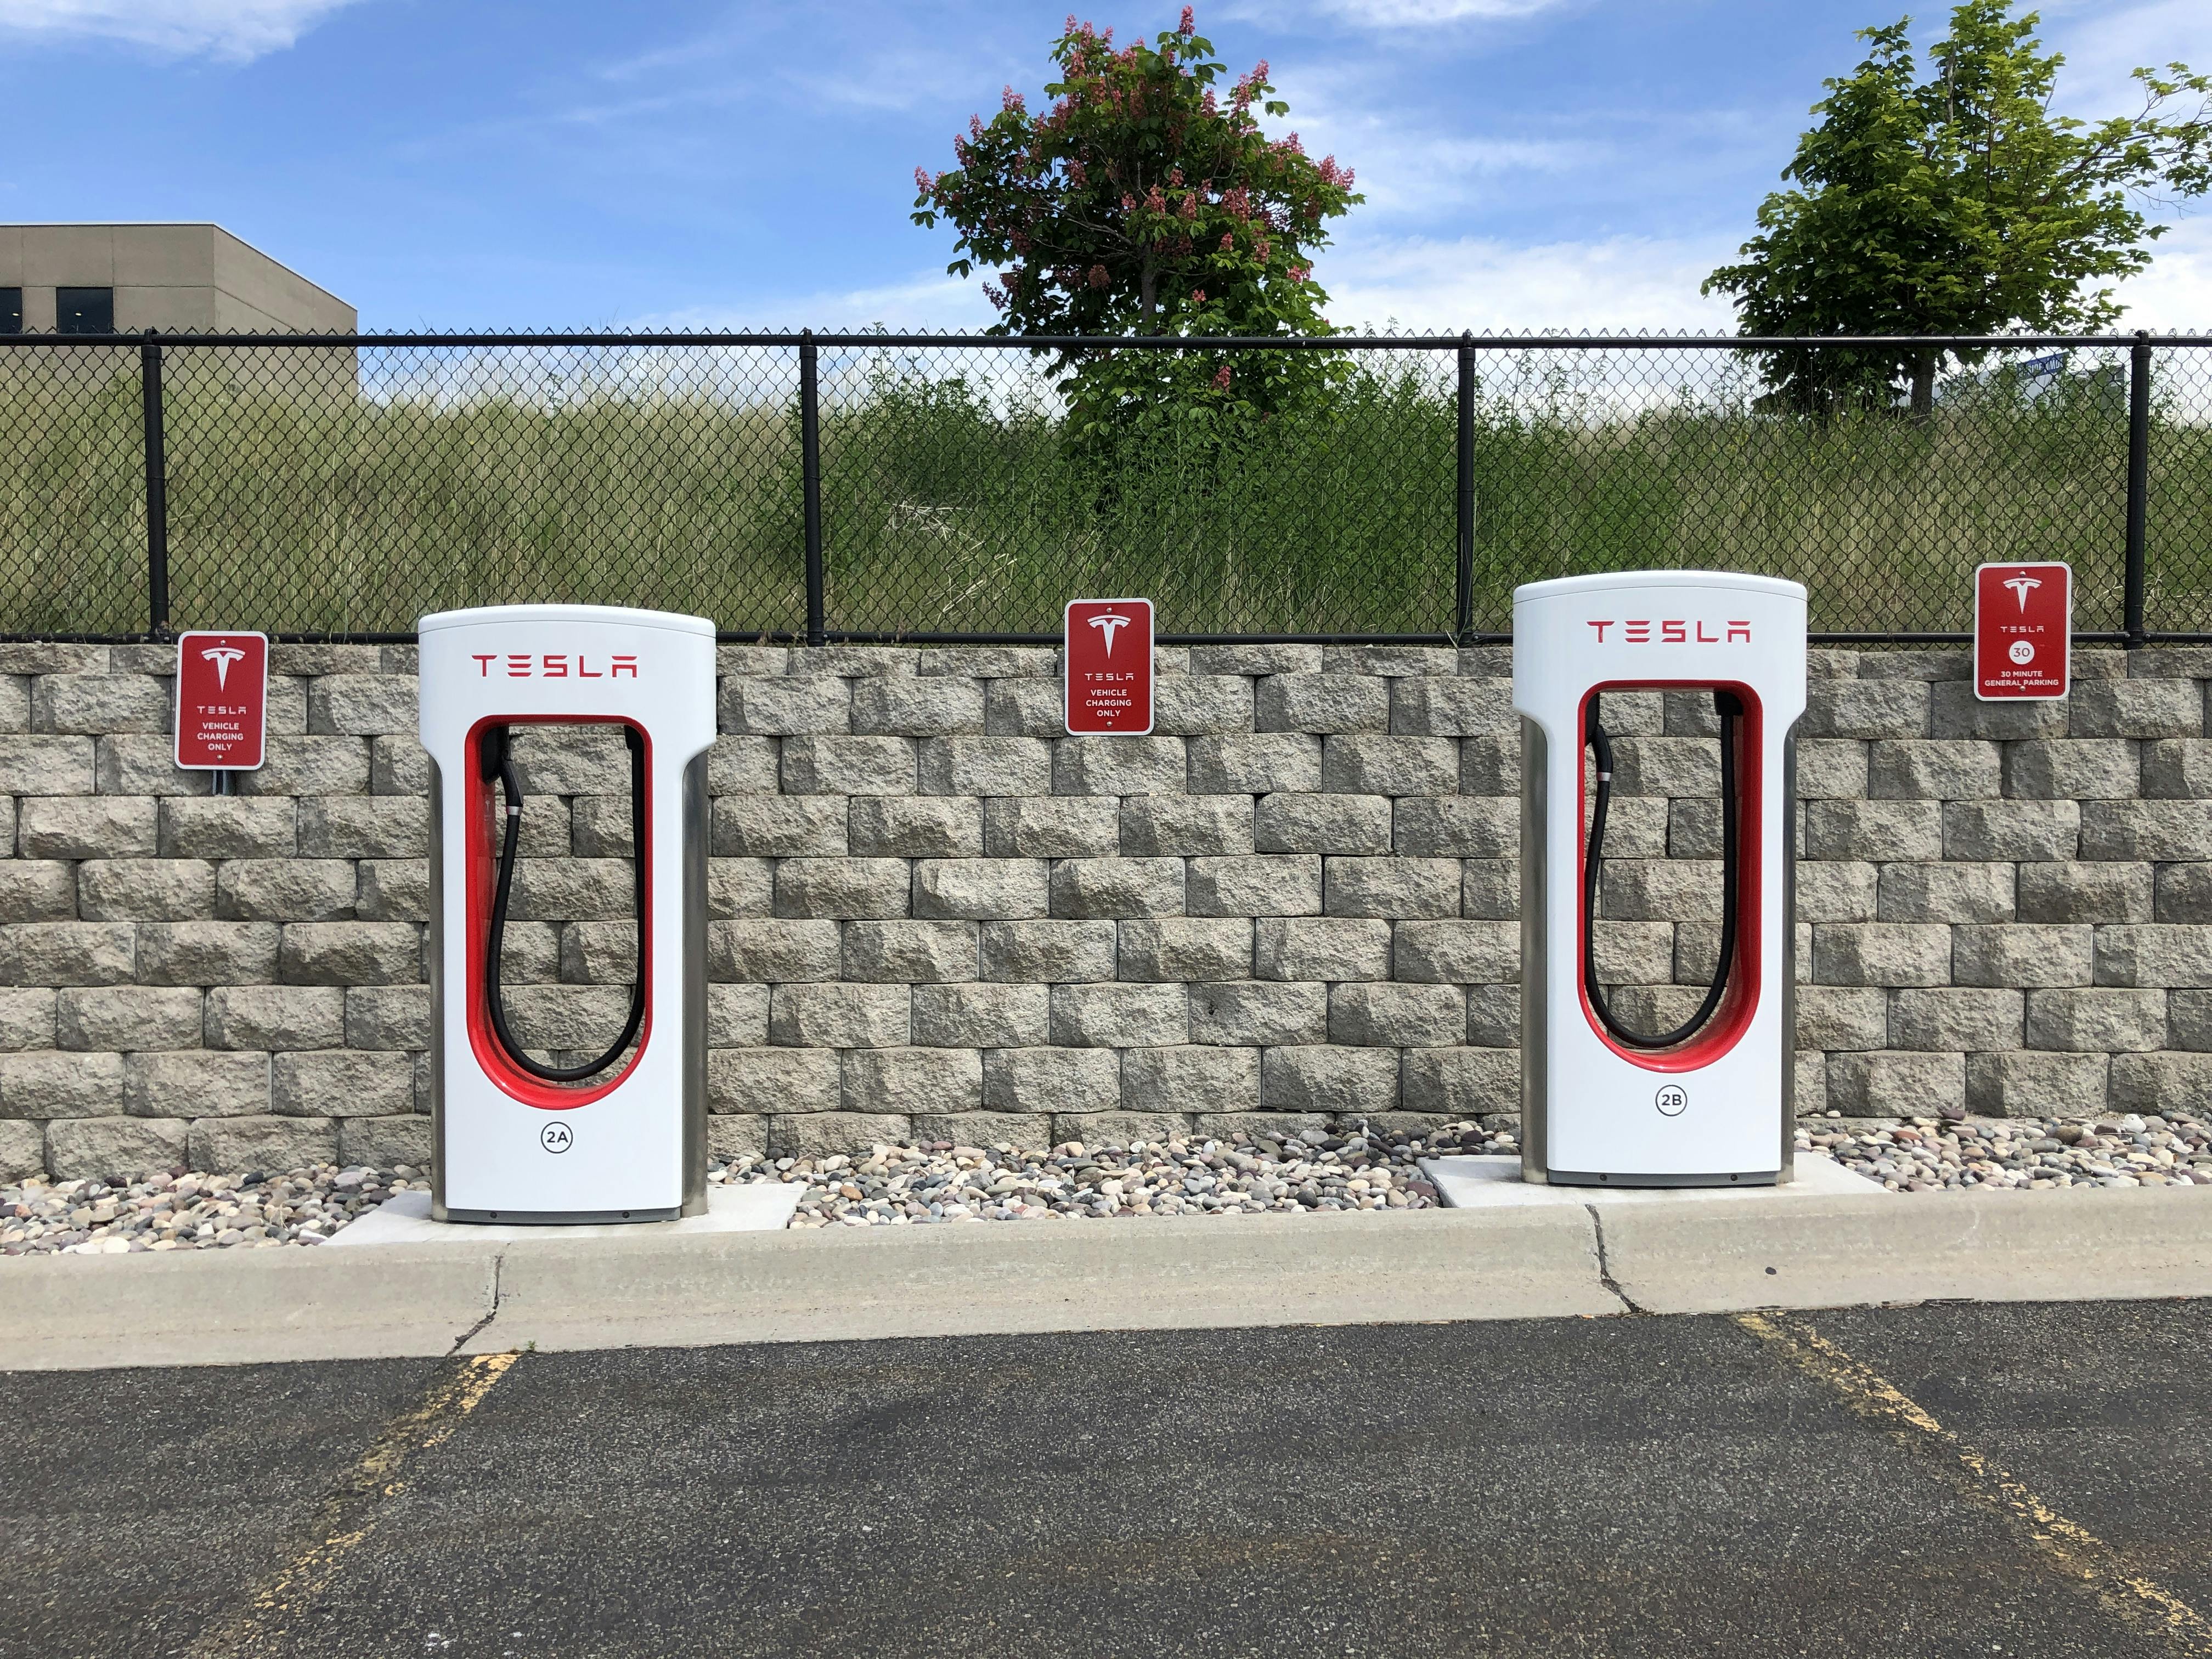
(84, 310)
(11, 311)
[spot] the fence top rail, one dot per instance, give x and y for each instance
(1148, 341)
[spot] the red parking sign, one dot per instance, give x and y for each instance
(2023, 631)
(1106, 667)
(222, 701)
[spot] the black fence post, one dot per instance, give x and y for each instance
(2138, 488)
(157, 491)
(1463, 612)
(810, 475)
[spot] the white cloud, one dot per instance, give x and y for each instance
(1421, 14)
(2174, 296)
(927, 300)
(234, 29)
(1623, 285)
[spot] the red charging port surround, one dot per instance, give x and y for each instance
(485, 817)
(1740, 1002)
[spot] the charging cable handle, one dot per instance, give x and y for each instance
(1730, 707)
(496, 761)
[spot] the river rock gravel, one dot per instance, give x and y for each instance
(1352, 1168)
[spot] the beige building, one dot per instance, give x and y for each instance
(98, 279)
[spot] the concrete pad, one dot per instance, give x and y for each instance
(996, 1277)
(1492, 1181)
(405, 1218)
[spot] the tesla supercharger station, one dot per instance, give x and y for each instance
(1708, 1101)
(619, 1136)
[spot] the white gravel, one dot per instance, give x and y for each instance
(903, 1186)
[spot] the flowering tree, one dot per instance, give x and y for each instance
(1142, 201)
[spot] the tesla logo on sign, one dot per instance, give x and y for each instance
(222, 701)
(2023, 629)
(1106, 666)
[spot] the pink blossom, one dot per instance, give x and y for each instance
(921, 181)
(1209, 103)
(1198, 296)
(1221, 379)
(1075, 173)
(1299, 273)
(1129, 203)
(1011, 100)
(1154, 201)
(1189, 210)
(975, 126)
(1189, 22)
(1097, 277)
(1260, 250)
(1228, 241)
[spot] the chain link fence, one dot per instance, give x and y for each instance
(874, 486)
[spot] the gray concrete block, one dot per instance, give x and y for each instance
(1026, 1130)
(94, 1148)
(599, 827)
(1493, 1016)
(1946, 892)
(1326, 1078)
(1192, 1078)
(779, 826)
(790, 706)
(981, 889)
(1449, 826)
(1047, 952)
(1118, 766)
(1490, 889)
(1633, 952)
(1321, 702)
(285, 889)
(2074, 769)
(1122, 1016)
(2091, 892)
(108, 1019)
(122, 890)
(342, 1083)
(32, 890)
(197, 1083)
(1837, 891)
(1491, 765)
(361, 705)
(1255, 1013)
(2023, 955)
(843, 889)
(1846, 1016)
(833, 1016)
(823, 1134)
(86, 827)
(744, 766)
(925, 826)
(572, 889)
(1056, 826)
(737, 1016)
(1056, 1080)
(55, 1083)
(2135, 708)
(2152, 956)
(773, 951)
(361, 826)
(310, 766)
(1186, 948)
(386, 1143)
(940, 706)
(383, 1016)
(207, 952)
(2177, 768)
(2029, 1085)
(2039, 830)
(1119, 1129)
(1317, 823)
(981, 1016)
(1396, 1015)
(1946, 663)
(1881, 953)
(1459, 1083)
(23, 1150)
(774, 1080)
(1284, 885)
(1832, 769)
(1660, 890)
(67, 953)
(1934, 769)
(1196, 705)
(910, 1080)
(1890, 1084)
(26, 1018)
(1322, 948)
(395, 889)
(2179, 892)
(850, 766)
(909, 952)
(600, 952)
(1024, 709)
(1368, 764)
(1256, 658)
(2155, 1083)
(1880, 830)
(852, 661)
(985, 766)
(1393, 887)
(2146, 830)
(1955, 712)
(1389, 660)
(32, 765)
(2103, 1020)
(1456, 952)
(989, 662)
(351, 953)
(1867, 709)
(89, 704)
(1184, 826)
(1439, 706)
(1954, 1018)
(1092, 888)
(1255, 763)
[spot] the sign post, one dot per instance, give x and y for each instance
(223, 703)
(1106, 667)
(2023, 631)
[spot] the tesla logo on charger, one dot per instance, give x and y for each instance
(552, 666)
(1674, 630)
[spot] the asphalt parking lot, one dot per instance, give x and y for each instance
(1618, 1486)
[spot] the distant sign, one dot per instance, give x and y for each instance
(1106, 667)
(2023, 631)
(223, 701)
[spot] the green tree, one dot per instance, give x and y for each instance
(1958, 204)
(1142, 201)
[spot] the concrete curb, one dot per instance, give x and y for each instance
(236, 1307)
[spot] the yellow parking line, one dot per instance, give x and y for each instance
(348, 1514)
(2074, 1553)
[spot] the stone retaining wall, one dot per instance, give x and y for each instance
(934, 916)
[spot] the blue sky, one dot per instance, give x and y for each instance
(488, 163)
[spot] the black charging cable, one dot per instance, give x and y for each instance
(497, 761)
(1729, 707)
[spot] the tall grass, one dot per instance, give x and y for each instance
(328, 494)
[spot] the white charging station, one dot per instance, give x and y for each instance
(520, 1138)
(1708, 1102)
